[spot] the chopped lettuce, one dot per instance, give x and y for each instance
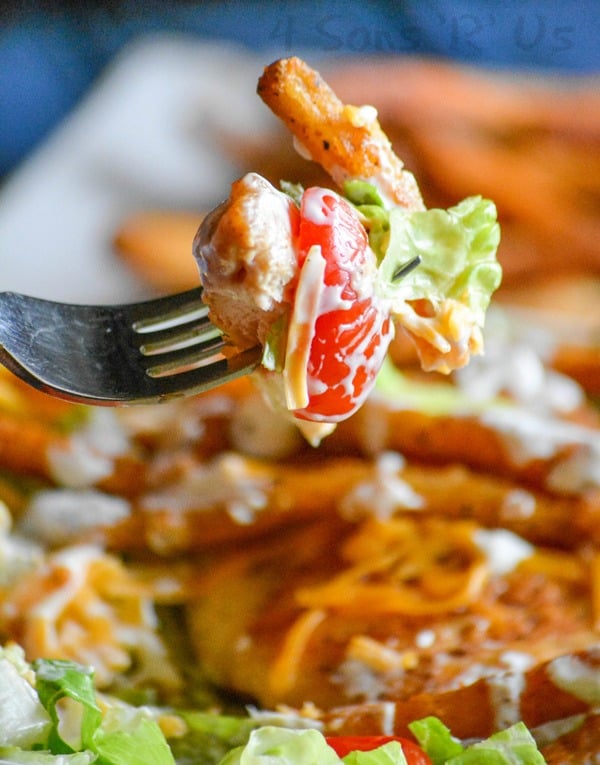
(388, 754)
(513, 746)
(57, 680)
(53, 717)
(59, 721)
(30, 757)
(457, 248)
(271, 745)
(23, 720)
(435, 738)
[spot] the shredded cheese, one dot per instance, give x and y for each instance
(400, 567)
(284, 670)
(301, 330)
(83, 604)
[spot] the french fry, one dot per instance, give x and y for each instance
(157, 246)
(474, 711)
(468, 439)
(346, 141)
(582, 363)
(297, 493)
(305, 631)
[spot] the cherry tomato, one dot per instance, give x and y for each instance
(352, 329)
(343, 745)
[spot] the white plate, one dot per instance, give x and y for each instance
(146, 136)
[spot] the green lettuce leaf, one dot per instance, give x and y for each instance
(121, 735)
(457, 248)
(131, 738)
(28, 757)
(435, 738)
(376, 218)
(387, 754)
(59, 679)
(513, 746)
(271, 745)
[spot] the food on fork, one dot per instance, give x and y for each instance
(311, 275)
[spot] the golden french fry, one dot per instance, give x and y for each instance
(347, 141)
(472, 711)
(294, 648)
(157, 246)
(298, 493)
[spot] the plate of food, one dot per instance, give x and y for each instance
(383, 545)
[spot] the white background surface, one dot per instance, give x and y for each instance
(146, 137)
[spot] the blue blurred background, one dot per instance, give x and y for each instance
(51, 53)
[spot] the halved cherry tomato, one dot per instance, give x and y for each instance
(343, 745)
(351, 329)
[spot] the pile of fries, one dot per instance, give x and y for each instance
(438, 554)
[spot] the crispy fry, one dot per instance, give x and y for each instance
(474, 711)
(345, 140)
(503, 446)
(582, 363)
(25, 445)
(393, 658)
(157, 246)
(298, 493)
(479, 164)
(530, 145)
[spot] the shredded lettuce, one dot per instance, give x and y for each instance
(275, 343)
(57, 680)
(60, 722)
(209, 737)
(457, 248)
(513, 746)
(435, 738)
(29, 757)
(71, 727)
(388, 754)
(293, 190)
(365, 197)
(23, 720)
(131, 739)
(271, 745)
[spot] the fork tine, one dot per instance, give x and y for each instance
(202, 378)
(171, 361)
(170, 308)
(95, 354)
(192, 333)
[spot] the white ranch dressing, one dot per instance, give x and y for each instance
(505, 695)
(529, 437)
(571, 674)
(384, 494)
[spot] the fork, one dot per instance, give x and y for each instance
(136, 353)
(132, 353)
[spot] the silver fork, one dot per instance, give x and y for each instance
(137, 353)
(132, 353)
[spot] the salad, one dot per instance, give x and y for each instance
(51, 714)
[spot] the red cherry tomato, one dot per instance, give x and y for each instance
(352, 329)
(343, 745)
